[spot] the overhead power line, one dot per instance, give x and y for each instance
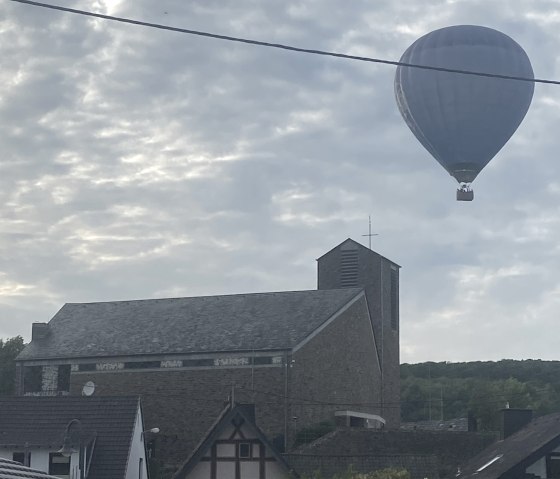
(281, 46)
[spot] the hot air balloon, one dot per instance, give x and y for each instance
(464, 120)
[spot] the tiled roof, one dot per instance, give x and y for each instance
(450, 448)
(419, 466)
(516, 452)
(42, 421)
(458, 424)
(258, 321)
(14, 470)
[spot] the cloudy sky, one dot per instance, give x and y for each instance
(141, 163)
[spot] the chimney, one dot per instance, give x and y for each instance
(513, 420)
(39, 331)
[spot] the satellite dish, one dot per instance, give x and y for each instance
(464, 120)
(88, 389)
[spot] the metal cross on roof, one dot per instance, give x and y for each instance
(370, 234)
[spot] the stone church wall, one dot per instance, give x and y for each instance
(330, 372)
(335, 370)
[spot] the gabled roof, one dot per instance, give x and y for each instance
(223, 421)
(350, 241)
(242, 322)
(450, 448)
(41, 422)
(515, 453)
(14, 470)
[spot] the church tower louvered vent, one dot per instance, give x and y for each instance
(349, 268)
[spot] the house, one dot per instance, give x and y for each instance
(15, 470)
(75, 437)
(532, 451)
(299, 356)
(235, 447)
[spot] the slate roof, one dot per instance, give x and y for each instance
(419, 466)
(14, 470)
(242, 322)
(449, 448)
(457, 424)
(41, 422)
(512, 455)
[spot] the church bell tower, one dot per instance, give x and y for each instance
(351, 265)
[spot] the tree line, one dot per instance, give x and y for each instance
(444, 390)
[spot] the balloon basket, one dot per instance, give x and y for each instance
(465, 194)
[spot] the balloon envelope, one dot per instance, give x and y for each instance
(464, 120)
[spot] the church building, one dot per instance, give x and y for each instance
(298, 356)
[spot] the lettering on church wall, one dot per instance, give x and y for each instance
(231, 362)
(109, 366)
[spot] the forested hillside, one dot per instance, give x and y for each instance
(449, 390)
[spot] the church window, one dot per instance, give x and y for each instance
(142, 365)
(87, 367)
(197, 362)
(63, 380)
(258, 360)
(32, 379)
(394, 300)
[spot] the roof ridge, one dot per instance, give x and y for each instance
(261, 293)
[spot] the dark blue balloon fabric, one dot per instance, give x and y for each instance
(464, 120)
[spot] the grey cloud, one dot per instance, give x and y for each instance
(142, 163)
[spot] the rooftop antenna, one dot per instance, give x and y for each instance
(370, 234)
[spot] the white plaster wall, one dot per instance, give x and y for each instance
(137, 451)
(225, 450)
(538, 468)
(225, 470)
(200, 471)
(249, 469)
(40, 459)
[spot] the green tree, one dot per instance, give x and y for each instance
(481, 387)
(9, 349)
